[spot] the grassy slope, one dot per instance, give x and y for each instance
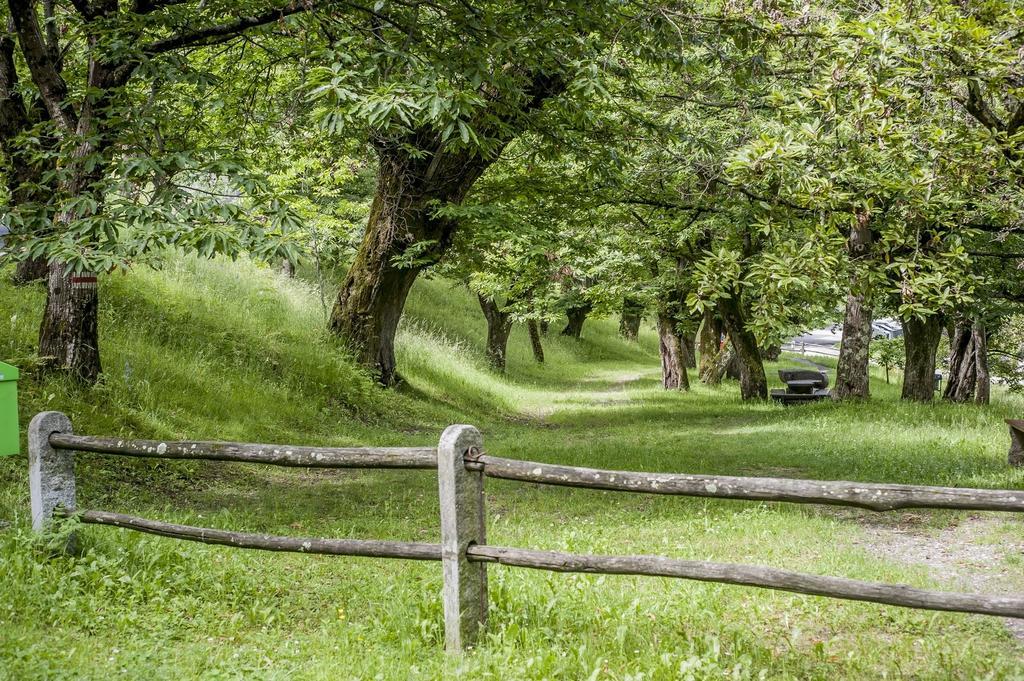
(233, 352)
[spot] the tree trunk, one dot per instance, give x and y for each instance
(416, 173)
(771, 353)
(28, 185)
(287, 268)
(709, 344)
(921, 340)
(535, 344)
(725, 359)
(576, 315)
(69, 333)
(689, 340)
(852, 372)
(629, 322)
(544, 326)
(673, 356)
(852, 375)
(499, 326)
(983, 389)
(962, 379)
(368, 308)
(733, 368)
(29, 271)
(753, 382)
(373, 295)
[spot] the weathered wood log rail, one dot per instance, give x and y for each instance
(461, 468)
(275, 455)
(872, 496)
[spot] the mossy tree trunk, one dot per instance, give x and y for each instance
(30, 270)
(69, 332)
(404, 233)
(921, 340)
(499, 326)
(962, 379)
(402, 224)
(753, 382)
(673, 355)
(724, 364)
(852, 374)
(538, 348)
(983, 389)
(630, 319)
(577, 316)
(689, 340)
(709, 344)
(28, 185)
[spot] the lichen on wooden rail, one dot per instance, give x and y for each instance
(267, 542)
(276, 455)
(873, 496)
(754, 575)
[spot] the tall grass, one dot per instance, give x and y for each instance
(235, 351)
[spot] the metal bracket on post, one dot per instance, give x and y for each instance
(51, 472)
(461, 494)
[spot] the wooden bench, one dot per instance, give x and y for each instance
(1016, 454)
(802, 385)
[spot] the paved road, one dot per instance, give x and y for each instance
(817, 342)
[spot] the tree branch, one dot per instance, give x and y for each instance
(653, 203)
(975, 102)
(716, 104)
(992, 254)
(45, 74)
(149, 6)
(218, 33)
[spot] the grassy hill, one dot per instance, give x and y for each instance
(221, 350)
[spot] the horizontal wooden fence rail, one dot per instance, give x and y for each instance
(371, 548)
(655, 566)
(873, 496)
(275, 455)
(754, 575)
(464, 553)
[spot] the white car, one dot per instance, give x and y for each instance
(886, 328)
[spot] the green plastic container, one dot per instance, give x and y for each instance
(9, 436)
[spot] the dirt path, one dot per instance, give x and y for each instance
(970, 555)
(616, 391)
(610, 388)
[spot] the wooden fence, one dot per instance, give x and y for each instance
(463, 552)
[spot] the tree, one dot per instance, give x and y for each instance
(84, 88)
(921, 340)
(631, 316)
(499, 326)
(709, 345)
(888, 353)
(852, 377)
(451, 86)
(26, 173)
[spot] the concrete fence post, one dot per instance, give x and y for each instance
(51, 472)
(461, 493)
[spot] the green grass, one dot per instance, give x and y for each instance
(232, 351)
